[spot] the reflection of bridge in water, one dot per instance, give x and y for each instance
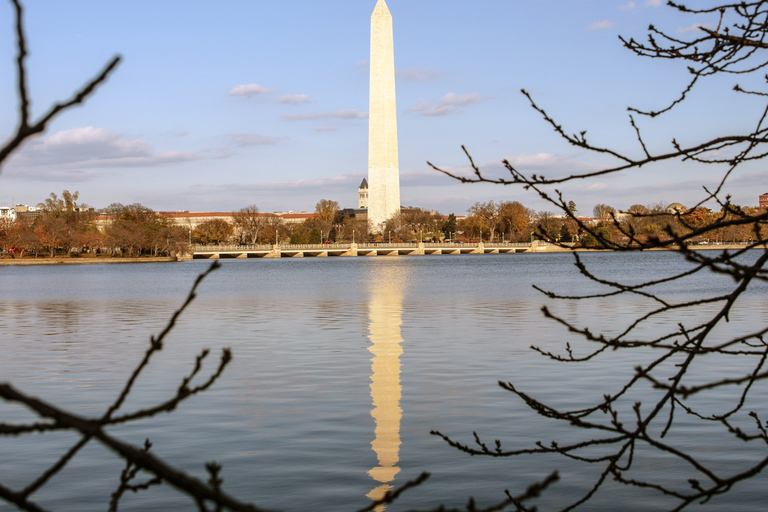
(368, 249)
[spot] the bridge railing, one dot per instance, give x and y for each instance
(385, 245)
(346, 246)
(265, 247)
(231, 248)
(315, 247)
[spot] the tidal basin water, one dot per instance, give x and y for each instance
(341, 368)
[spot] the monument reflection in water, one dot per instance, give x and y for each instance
(385, 314)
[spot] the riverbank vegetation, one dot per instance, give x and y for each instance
(61, 226)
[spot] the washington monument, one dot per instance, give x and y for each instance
(383, 168)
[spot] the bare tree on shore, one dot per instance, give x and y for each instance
(250, 223)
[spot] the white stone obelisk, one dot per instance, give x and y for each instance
(383, 167)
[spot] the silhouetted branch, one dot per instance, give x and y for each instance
(136, 459)
(612, 438)
(25, 128)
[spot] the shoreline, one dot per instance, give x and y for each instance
(83, 261)
(172, 259)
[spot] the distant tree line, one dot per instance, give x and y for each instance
(62, 226)
(661, 222)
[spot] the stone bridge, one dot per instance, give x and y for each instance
(351, 249)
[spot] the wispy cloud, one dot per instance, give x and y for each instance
(696, 27)
(543, 164)
(653, 3)
(627, 7)
(447, 105)
(325, 129)
(251, 139)
(90, 147)
(294, 99)
(250, 90)
(599, 25)
(535, 161)
(339, 114)
(418, 74)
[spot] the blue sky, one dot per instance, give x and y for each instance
(222, 104)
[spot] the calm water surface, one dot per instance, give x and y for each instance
(341, 369)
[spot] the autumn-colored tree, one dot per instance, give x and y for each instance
(325, 215)
(126, 232)
(64, 207)
(485, 218)
(63, 223)
(164, 236)
(697, 217)
(127, 236)
(21, 235)
(213, 232)
(513, 218)
(135, 229)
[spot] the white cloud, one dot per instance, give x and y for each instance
(539, 160)
(653, 3)
(696, 27)
(325, 129)
(447, 104)
(418, 74)
(252, 139)
(627, 7)
(294, 99)
(462, 100)
(90, 147)
(433, 108)
(598, 25)
(249, 90)
(339, 114)
(598, 186)
(362, 64)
